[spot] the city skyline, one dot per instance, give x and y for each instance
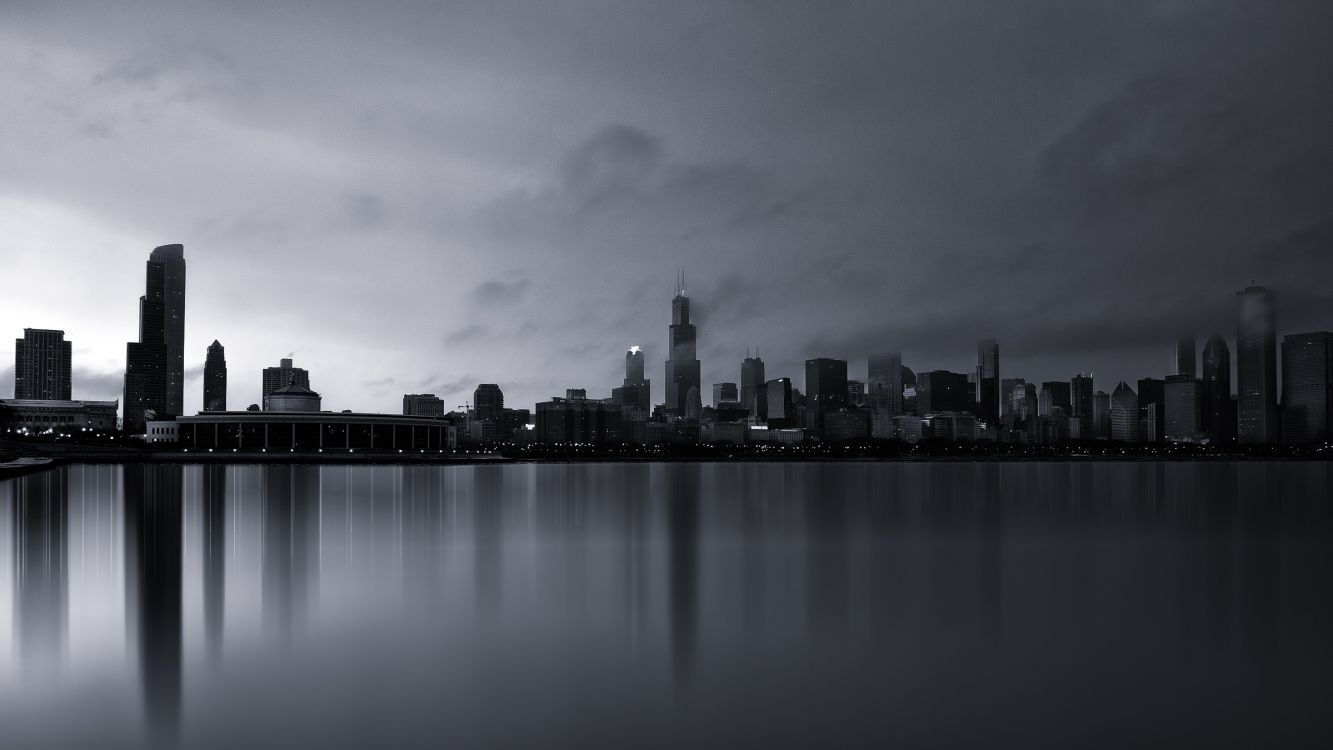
(424, 231)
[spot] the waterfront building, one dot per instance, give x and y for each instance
(885, 381)
(42, 365)
(752, 379)
(1256, 366)
(1152, 396)
(988, 394)
(422, 405)
(1125, 414)
(1307, 387)
(943, 391)
(1186, 358)
(1080, 403)
(39, 415)
(682, 366)
(215, 378)
(282, 376)
(1219, 417)
(1184, 409)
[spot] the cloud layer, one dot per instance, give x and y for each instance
(419, 197)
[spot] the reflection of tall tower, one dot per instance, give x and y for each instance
(153, 587)
(682, 368)
(40, 523)
(1256, 366)
(215, 556)
(291, 516)
(683, 490)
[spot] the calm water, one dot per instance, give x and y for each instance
(631, 605)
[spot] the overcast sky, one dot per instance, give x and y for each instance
(418, 197)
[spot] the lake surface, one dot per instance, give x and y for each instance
(668, 605)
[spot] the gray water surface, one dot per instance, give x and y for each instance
(668, 605)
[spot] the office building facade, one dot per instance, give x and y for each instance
(1256, 366)
(42, 365)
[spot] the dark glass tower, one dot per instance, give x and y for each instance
(155, 364)
(1218, 419)
(884, 377)
(42, 365)
(988, 381)
(1080, 402)
(682, 367)
(825, 387)
(215, 378)
(752, 381)
(1307, 387)
(1256, 366)
(636, 385)
(488, 403)
(1185, 356)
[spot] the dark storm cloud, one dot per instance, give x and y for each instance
(519, 182)
(499, 292)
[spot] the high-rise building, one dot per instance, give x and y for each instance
(856, 393)
(885, 380)
(155, 365)
(682, 366)
(1256, 366)
(1152, 399)
(1124, 414)
(636, 392)
(1218, 418)
(282, 376)
(941, 390)
(1185, 356)
(725, 392)
(1307, 387)
(988, 381)
(1101, 415)
(1184, 409)
(422, 405)
(1080, 403)
(1054, 395)
(752, 379)
(1010, 406)
(215, 378)
(42, 365)
(488, 403)
(779, 411)
(825, 387)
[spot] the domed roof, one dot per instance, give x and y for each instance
(293, 389)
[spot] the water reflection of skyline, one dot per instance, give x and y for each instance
(1201, 569)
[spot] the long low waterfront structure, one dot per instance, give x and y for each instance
(311, 431)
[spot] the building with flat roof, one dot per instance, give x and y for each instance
(42, 365)
(43, 414)
(314, 431)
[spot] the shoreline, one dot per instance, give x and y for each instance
(37, 463)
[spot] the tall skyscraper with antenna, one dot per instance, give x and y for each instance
(752, 380)
(682, 366)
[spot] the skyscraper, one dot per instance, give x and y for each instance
(778, 409)
(1256, 366)
(885, 380)
(636, 390)
(171, 259)
(1218, 419)
(1054, 395)
(1080, 403)
(752, 379)
(42, 365)
(488, 403)
(988, 381)
(1152, 409)
(1184, 409)
(682, 368)
(941, 390)
(1124, 414)
(825, 387)
(725, 392)
(1307, 387)
(155, 364)
(282, 376)
(215, 378)
(1185, 356)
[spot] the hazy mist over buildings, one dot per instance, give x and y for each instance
(419, 197)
